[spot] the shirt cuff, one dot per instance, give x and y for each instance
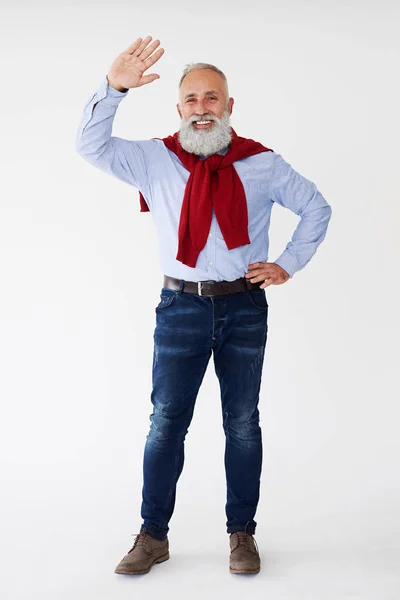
(115, 92)
(288, 262)
(108, 94)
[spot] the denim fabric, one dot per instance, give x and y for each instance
(189, 329)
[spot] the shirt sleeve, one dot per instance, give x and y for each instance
(301, 196)
(125, 159)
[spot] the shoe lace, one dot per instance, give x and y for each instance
(245, 539)
(141, 539)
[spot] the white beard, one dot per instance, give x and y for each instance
(204, 142)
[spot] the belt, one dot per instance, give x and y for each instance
(211, 288)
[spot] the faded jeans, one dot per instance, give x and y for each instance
(188, 329)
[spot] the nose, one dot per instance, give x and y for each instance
(200, 108)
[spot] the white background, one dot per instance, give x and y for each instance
(79, 276)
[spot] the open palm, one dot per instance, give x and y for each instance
(128, 68)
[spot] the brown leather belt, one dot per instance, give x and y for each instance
(211, 288)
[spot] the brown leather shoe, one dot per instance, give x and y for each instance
(244, 557)
(145, 552)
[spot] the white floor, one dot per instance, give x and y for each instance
(65, 566)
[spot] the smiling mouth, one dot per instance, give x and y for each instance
(203, 124)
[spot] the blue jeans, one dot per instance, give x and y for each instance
(188, 329)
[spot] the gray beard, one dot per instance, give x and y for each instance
(204, 142)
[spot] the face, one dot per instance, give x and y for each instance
(203, 97)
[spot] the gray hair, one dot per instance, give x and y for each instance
(195, 66)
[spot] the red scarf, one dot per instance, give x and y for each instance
(213, 182)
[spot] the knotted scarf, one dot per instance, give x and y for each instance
(213, 183)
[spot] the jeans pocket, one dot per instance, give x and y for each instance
(167, 297)
(257, 298)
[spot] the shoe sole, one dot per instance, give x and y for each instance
(161, 559)
(245, 571)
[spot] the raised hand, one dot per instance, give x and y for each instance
(127, 69)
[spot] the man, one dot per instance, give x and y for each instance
(210, 193)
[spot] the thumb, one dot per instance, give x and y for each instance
(148, 79)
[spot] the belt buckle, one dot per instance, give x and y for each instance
(199, 287)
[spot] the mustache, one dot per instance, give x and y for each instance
(203, 118)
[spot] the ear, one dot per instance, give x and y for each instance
(230, 105)
(179, 110)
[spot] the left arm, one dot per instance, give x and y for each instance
(301, 196)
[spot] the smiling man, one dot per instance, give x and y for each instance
(210, 192)
(205, 108)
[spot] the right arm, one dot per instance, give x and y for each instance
(125, 159)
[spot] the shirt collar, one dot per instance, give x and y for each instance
(223, 151)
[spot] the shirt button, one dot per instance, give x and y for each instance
(210, 234)
(210, 262)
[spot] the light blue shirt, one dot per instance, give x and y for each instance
(158, 173)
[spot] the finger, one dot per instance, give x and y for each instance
(260, 277)
(142, 46)
(264, 273)
(148, 79)
(254, 272)
(252, 275)
(260, 266)
(145, 53)
(267, 282)
(133, 46)
(150, 61)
